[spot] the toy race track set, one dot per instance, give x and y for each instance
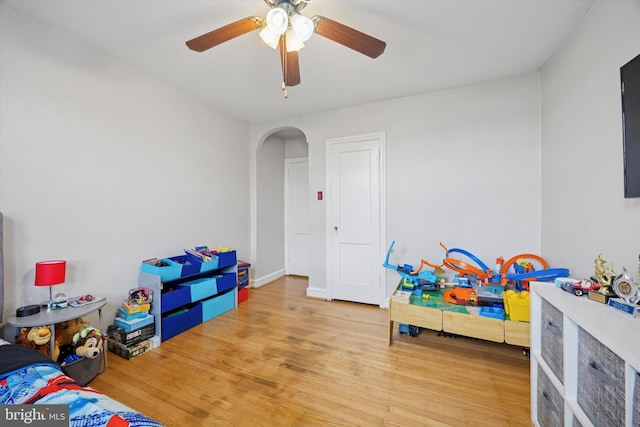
(475, 288)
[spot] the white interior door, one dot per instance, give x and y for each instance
(355, 218)
(297, 217)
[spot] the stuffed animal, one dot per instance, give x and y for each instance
(39, 337)
(88, 342)
(66, 330)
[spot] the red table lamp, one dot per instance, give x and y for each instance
(50, 273)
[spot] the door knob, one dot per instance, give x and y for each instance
(335, 227)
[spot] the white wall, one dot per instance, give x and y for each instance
(463, 167)
(270, 171)
(296, 147)
(104, 166)
(584, 212)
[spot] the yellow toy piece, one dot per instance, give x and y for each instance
(516, 305)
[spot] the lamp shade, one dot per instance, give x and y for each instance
(293, 42)
(50, 273)
(302, 26)
(278, 20)
(269, 37)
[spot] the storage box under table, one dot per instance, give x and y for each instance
(216, 306)
(121, 336)
(124, 314)
(132, 308)
(132, 325)
(83, 370)
(129, 352)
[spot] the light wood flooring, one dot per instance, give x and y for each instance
(282, 359)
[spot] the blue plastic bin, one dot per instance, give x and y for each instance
(188, 268)
(174, 297)
(168, 271)
(217, 305)
(201, 288)
(176, 323)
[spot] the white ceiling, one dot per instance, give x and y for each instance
(431, 45)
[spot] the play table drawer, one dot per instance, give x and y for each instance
(417, 315)
(517, 333)
(474, 326)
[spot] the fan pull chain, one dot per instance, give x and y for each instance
(283, 62)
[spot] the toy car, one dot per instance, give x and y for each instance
(577, 287)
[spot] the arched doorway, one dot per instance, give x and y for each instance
(281, 193)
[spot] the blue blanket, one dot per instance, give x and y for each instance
(31, 379)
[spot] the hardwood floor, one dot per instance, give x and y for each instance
(282, 359)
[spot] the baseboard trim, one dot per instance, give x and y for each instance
(256, 283)
(318, 293)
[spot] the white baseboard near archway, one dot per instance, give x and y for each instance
(256, 283)
(319, 293)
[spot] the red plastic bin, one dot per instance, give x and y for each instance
(243, 295)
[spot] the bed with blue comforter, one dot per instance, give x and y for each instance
(28, 377)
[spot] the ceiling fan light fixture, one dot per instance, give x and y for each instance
(269, 37)
(302, 26)
(293, 42)
(285, 29)
(277, 20)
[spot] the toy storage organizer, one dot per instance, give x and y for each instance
(188, 292)
(585, 362)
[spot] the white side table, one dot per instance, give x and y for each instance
(51, 317)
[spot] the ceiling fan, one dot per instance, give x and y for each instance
(285, 28)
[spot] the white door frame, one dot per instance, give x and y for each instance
(287, 219)
(381, 137)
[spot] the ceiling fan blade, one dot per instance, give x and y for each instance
(349, 37)
(226, 33)
(290, 65)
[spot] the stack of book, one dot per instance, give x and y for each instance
(133, 328)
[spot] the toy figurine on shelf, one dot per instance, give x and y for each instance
(626, 288)
(140, 296)
(603, 275)
(628, 293)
